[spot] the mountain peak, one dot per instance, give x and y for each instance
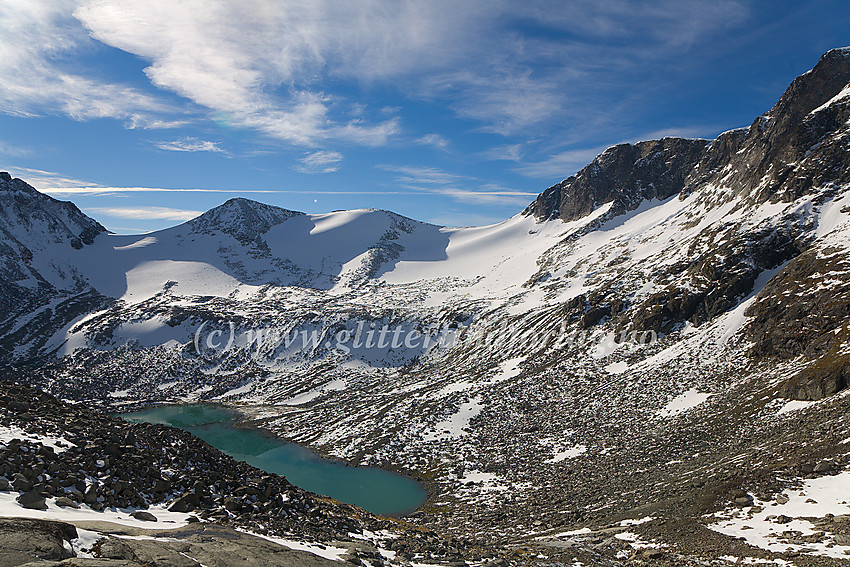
(813, 88)
(25, 211)
(626, 174)
(837, 52)
(12, 184)
(244, 219)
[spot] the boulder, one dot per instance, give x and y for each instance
(32, 500)
(143, 516)
(21, 483)
(22, 540)
(65, 502)
(180, 505)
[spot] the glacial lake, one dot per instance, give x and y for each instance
(376, 490)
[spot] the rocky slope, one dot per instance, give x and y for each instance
(69, 461)
(662, 335)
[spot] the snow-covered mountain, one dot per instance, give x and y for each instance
(658, 307)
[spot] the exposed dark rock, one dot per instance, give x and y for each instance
(144, 516)
(623, 175)
(25, 540)
(65, 502)
(33, 500)
(223, 489)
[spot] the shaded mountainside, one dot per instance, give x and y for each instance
(41, 289)
(35, 229)
(663, 334)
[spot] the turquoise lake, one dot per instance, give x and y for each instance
(376, 490)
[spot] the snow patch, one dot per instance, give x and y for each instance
(568, 453)
(9, 432)
(9, 507)
(814, 499)
(794, 405)
(309, 396)
(683, 402)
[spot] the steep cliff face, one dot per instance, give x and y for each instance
(786, 152)
(799, 145)
(622, 175)
(770, 179)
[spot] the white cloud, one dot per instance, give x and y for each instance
(58, 185)
(39, 178)
(61, 191)
(145, 213)
(461, 188)
(486, 195)
(562, 164)
(36, 37)
(507, 152)
(434, 140)
(510, 81)
(320, 162)
(189, 145)
(138, 121)
(416, 175)
(262, 79)
(13, 149)
(475, 57)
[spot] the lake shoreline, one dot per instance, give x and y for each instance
(241, 419)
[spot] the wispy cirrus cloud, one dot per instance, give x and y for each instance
(13, 149)
(488, 194)
(145, 213)
(59, 185)
(506, 152)
(434, 140)
(561, 164)
(265, 81)
(462, 188)
(189, 144)
(320, 162)
(419, 174)
(477, 58)
(35, 77)
(138, 121)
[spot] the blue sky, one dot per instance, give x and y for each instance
(452, 112)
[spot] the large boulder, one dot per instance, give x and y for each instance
(25, 540)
